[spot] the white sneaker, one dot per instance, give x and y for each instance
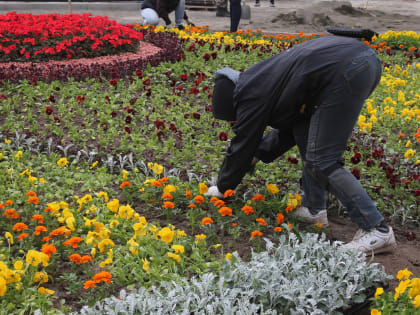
(372, 241)
(304, 213)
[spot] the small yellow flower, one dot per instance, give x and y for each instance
(9, 237)
(1, 155)
(125, 174)
(18, 265)
(408, 144)
(416, 301)
(93, 164)
(375, 312)
(166, 235)
(379, 292)
(7, 141)
(18, 155)
(146, 266)
(40, 277)
(179, 249)
(113, 205)
(62, 162)
(272, 189)
(203, 188)
(404, 274)
(45, 291)
(229, 256)
(175, 257)
(169, 189)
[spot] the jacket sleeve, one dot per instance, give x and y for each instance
(249, 129)
(274, 144)
(163, 11)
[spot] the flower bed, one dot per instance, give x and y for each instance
(103, 180)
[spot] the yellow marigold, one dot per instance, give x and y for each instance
(203, 188)
(126, 212)
(175, 257)
(272, 189)
(178, 248)
(62, 162)
(229, 256)
(166, 235)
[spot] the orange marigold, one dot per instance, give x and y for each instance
(22, 236)
(168, 204)
(39, 229)
(248, 210)
(19, 227)
(225, 211)
(167, 196)
(228, 193)
(219, 203)
(76, 258)
(278, 229)
(8, 202)
(73, 241)
(11, 214)
(289, 208)
(256, 233)
(34, 200)
(261, 221)
(163, 180)
(104, 276)
(60, 231)
(89, 284)
(280, 218)
(125, 184)
(38, 217)
(207, 221)
(47, 239)
(86, 258)
(191, 205)
(156, 183)
(258, 197)
(199, 199)
(30, 193)
(187, 194)
(48, 209)
(48, 249)
(214, 199)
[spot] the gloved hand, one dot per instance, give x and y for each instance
(214, 191)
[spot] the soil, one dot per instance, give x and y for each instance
(316, 16)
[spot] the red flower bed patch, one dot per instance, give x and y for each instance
(28, 37)
(164, 46)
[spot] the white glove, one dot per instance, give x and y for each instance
(214, 191)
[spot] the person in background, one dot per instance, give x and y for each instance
(221, 8)
(311, 95)
(235, 14)
(152, 10)
(257, 3)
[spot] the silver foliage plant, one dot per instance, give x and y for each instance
(307, 276)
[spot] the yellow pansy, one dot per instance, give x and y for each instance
(93, 164)
(178, 248)
(146, 266)
(62, 162)
(40, 277)
(9, 237)
(166, 235)
(175, 257)
(18, 155)
(113, 205)
(169, 189)
(379, 292)
(45, 291)
(105, 244)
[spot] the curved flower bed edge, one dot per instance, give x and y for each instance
(170, 51)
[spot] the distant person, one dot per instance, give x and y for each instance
(221, 8)
(257, 3)
(152, 10)
(235, 14)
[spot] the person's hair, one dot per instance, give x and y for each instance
(222, 103)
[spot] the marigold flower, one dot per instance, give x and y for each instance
(261, 221)
(39, 229)
(33, 199)
(167, 196)
(30, 193)
(225, 211)
(168, 204)
(272, 189)
(203, 188)
(278, 229)
(228, 193)
(247, 210)
(280, 218)
(156, 183)
(62, 162)
(125, 184)
(73, 241)
(214, 199)
(289, 208)
(256, 233)
(207, 221)
(104, 276)
(48, 249)
(19, 227)
(168, 189)
(105, 244)
(75, 258)
(199, 199)
(187, 194)
(22, 236)
(89, 284)
(60, 231)
(191, 205)
(38, 217)
(11, 214)
(8, 202)
(258, 197)
(219, 203)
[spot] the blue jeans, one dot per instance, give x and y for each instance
(322, 140)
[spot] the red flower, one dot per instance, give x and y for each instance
(196, 115)
(206, 57)
(127, 130)
(159, 124)
(356, 172)
(183, 77)
(223, 136)
(48, 110)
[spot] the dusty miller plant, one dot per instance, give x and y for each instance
(307, 276)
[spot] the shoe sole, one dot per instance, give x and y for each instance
(389, 248)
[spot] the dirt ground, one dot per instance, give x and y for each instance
(316, 16)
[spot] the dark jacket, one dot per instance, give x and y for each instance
(273, 93)
(163, 8)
